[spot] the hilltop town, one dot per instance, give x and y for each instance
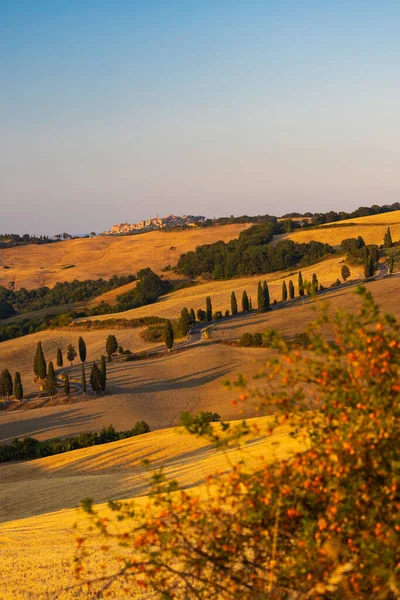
(158, 223)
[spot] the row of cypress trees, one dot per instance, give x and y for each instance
(8, 386)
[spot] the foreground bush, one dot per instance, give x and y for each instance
(322, 524)
(29, 448)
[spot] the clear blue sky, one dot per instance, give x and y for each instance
(118, 110)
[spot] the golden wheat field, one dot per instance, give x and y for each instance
(44, 265)
(37, 551)
(170, 305)
(371, 228)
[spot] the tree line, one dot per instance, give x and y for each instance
(31, 448)
(67, 292)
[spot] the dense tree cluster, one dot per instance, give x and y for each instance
(66, 292)
(30, 448)
(250, 254)
(148, 289)
(333, 216)
(8, 240)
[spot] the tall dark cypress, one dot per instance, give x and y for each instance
(245, 302)
(169, 335)
(103, 373)
(291, 290)
(234, 306)
(18, 389)
(83, 380)
(67, 387)
(39, 365)
(284, 291)
(6, 383)
(82, 349)
(50, 383)
(59, 359)
(260, 298)
(267, 299)
(314, 283)
(301, 284)
(95, 378)
(208, 309)
(388, 242)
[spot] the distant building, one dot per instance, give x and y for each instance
(157, 223)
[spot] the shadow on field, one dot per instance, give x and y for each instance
(190, 380)
(33, 427)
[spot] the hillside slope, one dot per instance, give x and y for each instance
(371, 228)
(37, 552)
(34, 266)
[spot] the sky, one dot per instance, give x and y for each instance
(114, 111)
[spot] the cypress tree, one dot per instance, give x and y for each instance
(66, 385)
(169, 335)
(250, 304)
(301, 284)
(82, 349)
(18, 389)
(360, 242)
(59, 360)
(291, 290)
(267, 300)
(83, 380)
(6, 383)
(284, 291)
(314, 283)
(192, 317)
(208, 309)
(95, 378)
(184, 320)
(345, 272)
(103, 373)
(234, 306)
(111, 346)
(245, 302)
(260, 298)
(50, 383)
(71, 354)
(39, 365)
(388, 242)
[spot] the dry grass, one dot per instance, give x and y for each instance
(295, 318)
(37, 552)
(18, 354)
(220, 291)
(34, 266)
(371, 228)
(156, 390)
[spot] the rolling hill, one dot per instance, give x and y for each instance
(371, 228)
(34, 266)
(37, 551)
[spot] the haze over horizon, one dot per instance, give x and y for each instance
(113, 112)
